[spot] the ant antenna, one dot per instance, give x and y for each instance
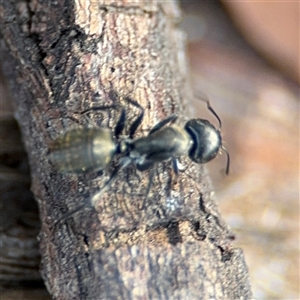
(228, 160)
(206, 100)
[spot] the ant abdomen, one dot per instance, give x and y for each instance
(83, 149)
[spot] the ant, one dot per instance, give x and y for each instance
(84, 149)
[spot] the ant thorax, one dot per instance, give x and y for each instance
(168, 142)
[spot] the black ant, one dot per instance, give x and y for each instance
(83, 149)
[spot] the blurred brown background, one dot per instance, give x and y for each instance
(256, 95)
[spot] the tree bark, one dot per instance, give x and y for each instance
(63, 57)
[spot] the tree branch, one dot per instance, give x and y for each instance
(63, 57)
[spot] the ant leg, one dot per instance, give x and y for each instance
(145, 165)
(121, 122)
(70, 213)
(102, 107)
(125, 162)
(209, 107)
(151, 175)
(137, 122)
(72, 119)
(171, 119)
(175, 167)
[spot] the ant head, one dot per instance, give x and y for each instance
(207, 140)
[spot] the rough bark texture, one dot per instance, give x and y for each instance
(62, 57)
